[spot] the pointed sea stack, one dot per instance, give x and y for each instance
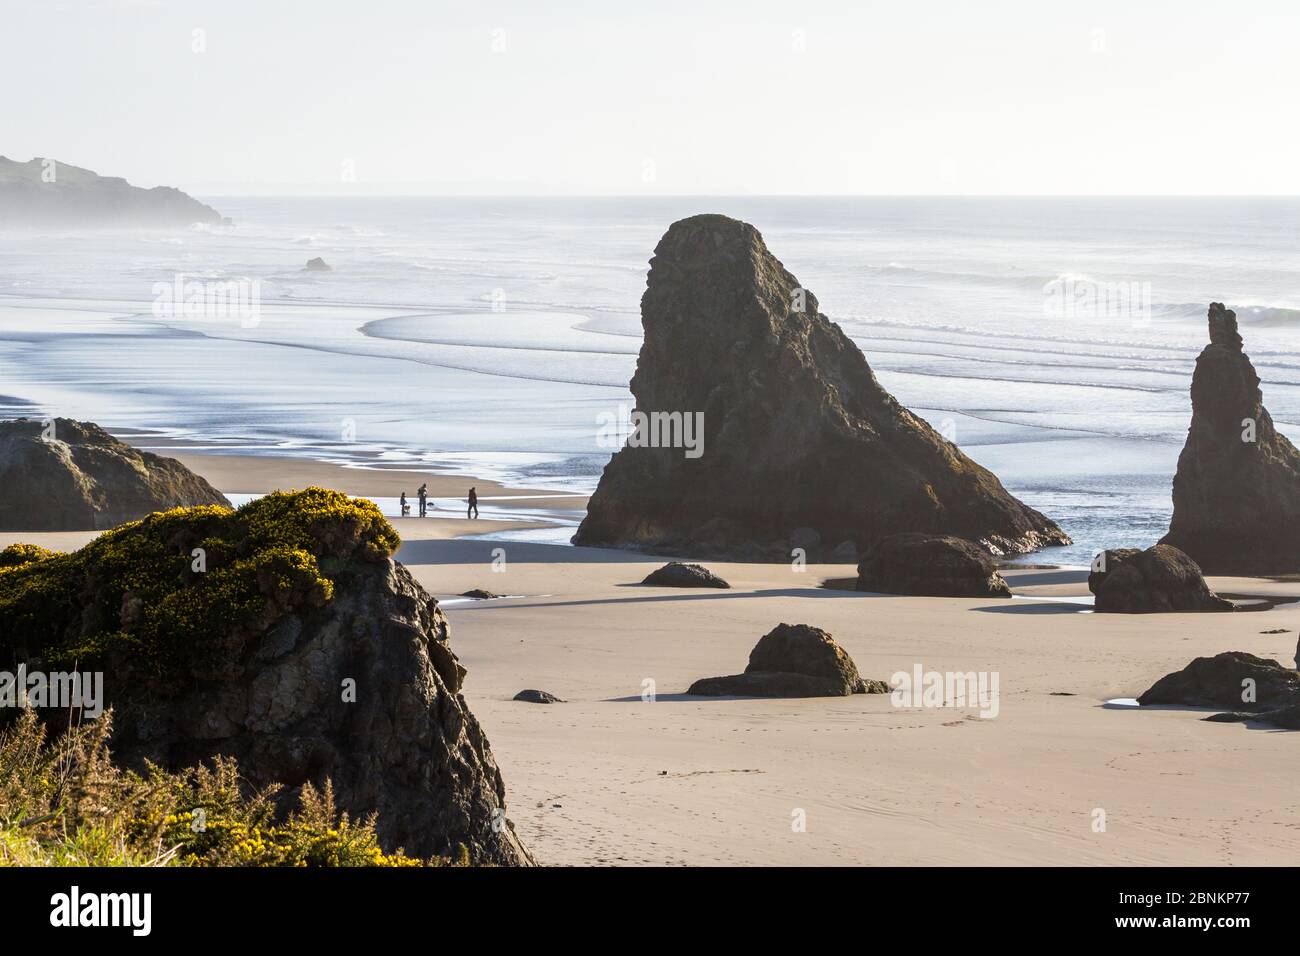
(797, 434)
(1237, 490)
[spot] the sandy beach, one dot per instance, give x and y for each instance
(612, 778)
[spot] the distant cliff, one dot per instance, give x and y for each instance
(45, 192)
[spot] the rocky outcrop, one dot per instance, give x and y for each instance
(926, 565)
(793, 660)
(318, 265)
(1249, 687)
(1220, 681)
(674, 574)
(65, 475)
(757, 417)
(1237, 490)
(44, 192)
(1161, 578)
(1106, 562)
(297, 646)
(480, 594)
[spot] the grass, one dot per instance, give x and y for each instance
(64, 802)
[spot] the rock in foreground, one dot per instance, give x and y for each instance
(300, 648)
(1237, 490)
(1159, 579)
(763, 419)
(925, 565)
(674, 574)
(66, 475)
(793, 660)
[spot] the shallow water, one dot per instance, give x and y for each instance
(489, 336)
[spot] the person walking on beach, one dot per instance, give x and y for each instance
(473, 504)
(406, 508)
(423, 494)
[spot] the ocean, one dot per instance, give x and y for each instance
(1052, 339)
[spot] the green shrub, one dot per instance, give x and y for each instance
(64, 803)
(16, 555)
(181, 594)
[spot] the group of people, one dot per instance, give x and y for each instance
(422, 493)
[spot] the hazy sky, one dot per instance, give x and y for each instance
(660, 96)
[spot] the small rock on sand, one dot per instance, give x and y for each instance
(537, 697)
(675, 574)
(793, 660)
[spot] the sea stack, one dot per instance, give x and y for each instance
(1237, 490)
(757, 417)
(65, 475)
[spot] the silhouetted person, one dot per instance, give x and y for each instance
(423, 494)
(472, 510)
(406, 508)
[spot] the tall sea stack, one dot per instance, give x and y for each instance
(1237, 490)
(801, 446)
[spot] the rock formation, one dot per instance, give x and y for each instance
(793, 660)
(297, 647)
(1218, 682)
(44, 192)
(318, 265)
(480, 594)
(674, 574)
(1161, 578)
(1237, 490)
(1106, 562)
(66, 475)
(1248, 687)
(921, 564)
(758, 417)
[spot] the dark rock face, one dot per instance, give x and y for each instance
(674, 574)
(44, 192)
(797, 434)
(793, 660)
(318, 265)
(74, 476)
(1253, 688)
(407, 748)
(1161, 578)
(480, 594)
(926, 565)
(1106, 562)
(537, 697)
(302, 651)
(1236, 501)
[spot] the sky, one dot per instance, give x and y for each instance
(998, 97)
